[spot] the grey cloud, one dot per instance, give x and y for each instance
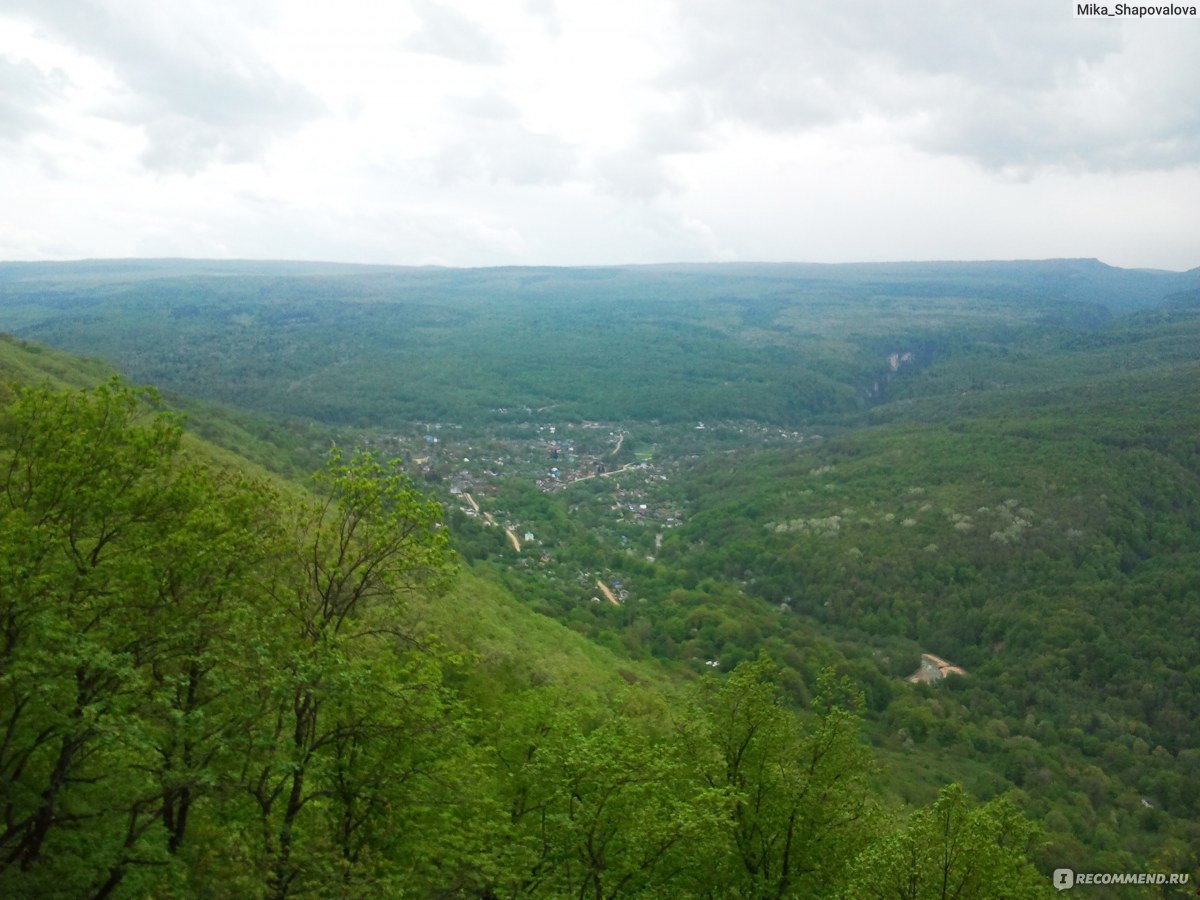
(635, 174)
(1022, 43)
(486, 106)
(775, 45)
(446, 32)
(200, 95)
(638, 171)
(505, 151)
(1024, 133)
(1015, 84)
(1138, 109)
(678, 124)
(676, 129)
(25, 90)
(547, 12)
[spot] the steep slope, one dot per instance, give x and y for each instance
(217, 684)
(1040, 530)
(474, 615)
(26, 362)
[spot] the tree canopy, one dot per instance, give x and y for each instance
(211, 686)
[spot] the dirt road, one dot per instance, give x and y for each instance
(601, 474)
(512, 537)
(487, 517)
(612, 598)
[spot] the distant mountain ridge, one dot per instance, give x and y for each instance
(371, 345)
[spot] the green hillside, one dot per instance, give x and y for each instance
(1039, 531)
(26, 362)
(217, 684)
(649, 477)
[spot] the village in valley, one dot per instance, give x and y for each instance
(580, 501)
(576, 512)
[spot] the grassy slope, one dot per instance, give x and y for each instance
(519, 648)
(26, 362)
(514, 646)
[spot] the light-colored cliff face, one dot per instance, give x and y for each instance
(934, 669)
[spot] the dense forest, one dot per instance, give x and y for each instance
(213, 687)
(222, 675)
(382, 345)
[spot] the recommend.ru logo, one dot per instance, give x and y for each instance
(1069, 878)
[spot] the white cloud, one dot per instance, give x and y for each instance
(1018, 85)
(25, 91)
(547, 12)
(493, 150)
(446, 32)
(486, 106)
(534, 131)
(635, 174)
(192, 80)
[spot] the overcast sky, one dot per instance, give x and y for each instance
(487, 132)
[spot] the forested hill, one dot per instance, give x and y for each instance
(650, 477)
(217, 684)
(370, 345)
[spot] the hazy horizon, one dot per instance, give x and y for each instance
(598, 265)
